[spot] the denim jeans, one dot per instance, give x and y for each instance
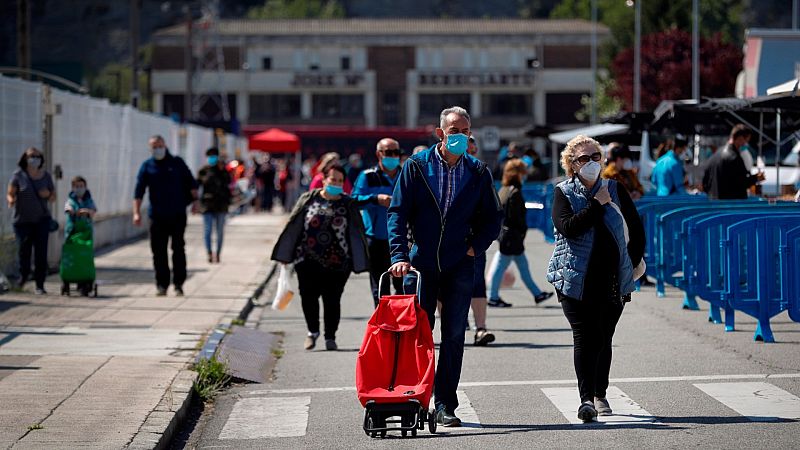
(499, 265)
(33, 237)
(210, 220)
(454, 288)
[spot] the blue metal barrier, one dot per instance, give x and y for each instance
(756, 250)
(791, 266)
(703, 265)
(539, 206)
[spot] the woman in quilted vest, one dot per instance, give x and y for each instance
(599, 240)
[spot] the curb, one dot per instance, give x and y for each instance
(165, 420)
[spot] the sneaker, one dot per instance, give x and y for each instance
(542, 297)
(40, 291)
(210, 258)
(602, 406)
(483, 337)
(447, 419)
(330, 345)
(161, 292)
(311, 341)
(498, 303)
(586, 412)
(178, 291)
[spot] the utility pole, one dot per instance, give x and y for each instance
(187, 64)
(134, 31)
(24, 36)
(795, 7)
(696, 50)
(637, 58)
(594, 62)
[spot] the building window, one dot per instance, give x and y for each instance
(506, 104)
(345, 63)
(268, 107)
(266, 63)
(433, 104)
(328, 106)
(562, 106)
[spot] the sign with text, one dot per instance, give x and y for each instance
(476, 79)
(317, 79)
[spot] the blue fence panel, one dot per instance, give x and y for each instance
(755, 282)
(539, 206)
(791, 266)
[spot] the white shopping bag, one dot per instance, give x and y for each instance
(284, 293)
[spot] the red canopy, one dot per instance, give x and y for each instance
(275, 140)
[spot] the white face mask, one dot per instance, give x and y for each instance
(590, 171)
(159, 153)
(627, 165)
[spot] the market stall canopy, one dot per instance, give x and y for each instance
(275, 140)
(604, 133)
(790, 87)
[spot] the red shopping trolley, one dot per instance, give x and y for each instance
(395, 366)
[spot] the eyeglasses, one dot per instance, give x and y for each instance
(392, 152)
(583, 159)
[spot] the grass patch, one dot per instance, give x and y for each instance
(212, 377)
(278, 353)
(36, 426)
(239, 322)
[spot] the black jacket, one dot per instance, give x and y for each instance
(286, 246)
(515, 224)
(215, 193)
(725, 177)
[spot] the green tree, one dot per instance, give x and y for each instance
(297, 9)
(607, 104)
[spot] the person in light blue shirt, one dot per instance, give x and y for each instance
(668, 174)
(373, 190)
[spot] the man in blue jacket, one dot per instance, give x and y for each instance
(375, 185)
(172, 188)
(667, 176)
(448, 201)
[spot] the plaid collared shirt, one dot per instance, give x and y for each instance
(449, 179)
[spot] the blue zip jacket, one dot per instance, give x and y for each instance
(667, 175)
(474, 218)
(369, 185)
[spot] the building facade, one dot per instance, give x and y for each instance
(510, 74)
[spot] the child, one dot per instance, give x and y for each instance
(77, 259)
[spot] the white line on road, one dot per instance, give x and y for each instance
(267, 417)
(542, 383)
(758, 401)
(626, 411)
(465, 412)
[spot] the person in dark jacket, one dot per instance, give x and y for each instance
(448, 201)
(512, 237)
(172, 188)
(215, 199)
(325, 239)
(29, 193)
(592, 267)
(725, 176)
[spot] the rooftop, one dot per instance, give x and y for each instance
(406, 27)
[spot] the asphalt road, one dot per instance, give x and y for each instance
(678, 381)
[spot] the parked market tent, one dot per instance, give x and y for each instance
(275, 140)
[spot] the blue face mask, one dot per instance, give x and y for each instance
(390, 162)
(334, 190)
(457, 143)
(212, 160)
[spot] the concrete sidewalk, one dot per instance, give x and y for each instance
(110, 372)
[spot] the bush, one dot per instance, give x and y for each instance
(212, 377)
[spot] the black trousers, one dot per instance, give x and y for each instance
(162, 231)
(33, 237)
(315, 281)
(593, 323)
(379, 262)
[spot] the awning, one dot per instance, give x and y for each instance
(790, 86)
(275, 140)
(602, 132)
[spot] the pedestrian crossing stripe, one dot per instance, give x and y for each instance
(267, 417)
(625, 410)
(758, 401)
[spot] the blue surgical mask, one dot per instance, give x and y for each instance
(334, 190)
(457, 143)
(390, 162)
(159, 153)
(35, 161)
(212, 160)
(79, 192)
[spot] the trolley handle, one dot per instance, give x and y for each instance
(419, 283)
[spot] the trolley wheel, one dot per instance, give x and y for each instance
(414, 432)
(432, 423)
(95, 290)
(65, 289)
(405, 433)
(383, 434)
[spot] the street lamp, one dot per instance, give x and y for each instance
(695, 51)
(594, 62)
(637, 54)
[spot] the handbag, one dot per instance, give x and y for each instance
(52, 226)
(510, 239)
(639, 270)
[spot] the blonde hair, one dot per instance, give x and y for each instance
(512, 169)
(568, 154)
